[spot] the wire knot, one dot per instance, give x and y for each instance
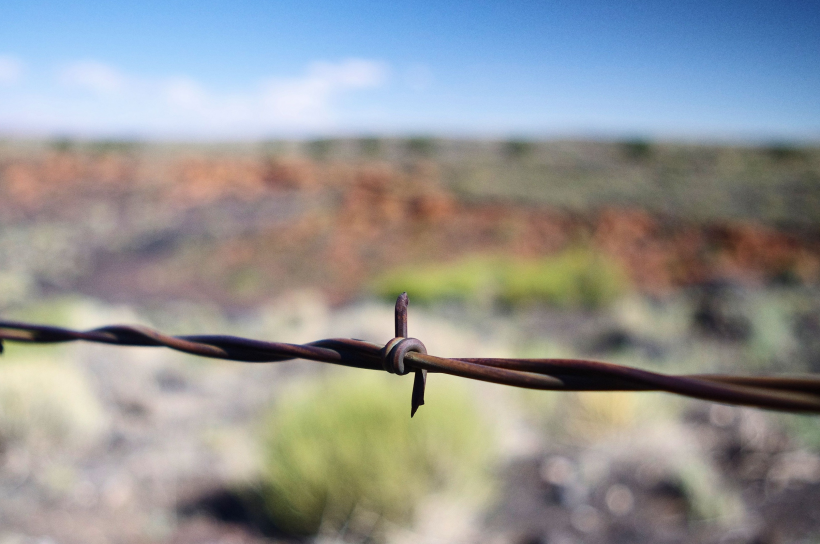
(394, 351)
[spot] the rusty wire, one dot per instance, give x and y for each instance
(403, 355)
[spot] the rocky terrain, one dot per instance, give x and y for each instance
(284, 241)
(234, 228)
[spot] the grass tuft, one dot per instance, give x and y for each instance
(348, 445)
(574, 278)
(46, 405)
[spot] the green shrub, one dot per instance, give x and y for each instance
(370, 146)
(573, 278)
(320, 149)
(62, 144)
(517, 149)
(349, 444)
(45, 404)
(784, 151)
(421, 146)
(463, 280)
(637, 149)
(802, 429)
(102, 147)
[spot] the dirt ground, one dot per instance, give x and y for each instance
(137, 445)
(177, 444)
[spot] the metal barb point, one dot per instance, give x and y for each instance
(419, 381)
(420, 378)
(401, 315)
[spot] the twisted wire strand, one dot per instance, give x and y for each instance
(789, 393)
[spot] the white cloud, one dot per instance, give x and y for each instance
(89, 97)
(11, 70)
(310, 95)
(93, 76)
(185, 93)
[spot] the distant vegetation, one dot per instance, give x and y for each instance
(422, 146)
(370, 147)
(517, 149)
(96, 147)
(320, 149)
(574, 278)
(637, 149)
(775, 183)
(224, 204)
(62, 144)
(784, 151)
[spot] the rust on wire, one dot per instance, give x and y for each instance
(401, 315)
(420, 375)
(403, 355)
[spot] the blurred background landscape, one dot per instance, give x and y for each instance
(635, 186)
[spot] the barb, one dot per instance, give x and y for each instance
(403, 355)
(420, 375)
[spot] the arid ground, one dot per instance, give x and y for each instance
(679, 258)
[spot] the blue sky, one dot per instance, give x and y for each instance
(248, 69)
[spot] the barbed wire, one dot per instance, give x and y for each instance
(403, 355)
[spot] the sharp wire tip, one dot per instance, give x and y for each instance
(401, 316)
(417, 398)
